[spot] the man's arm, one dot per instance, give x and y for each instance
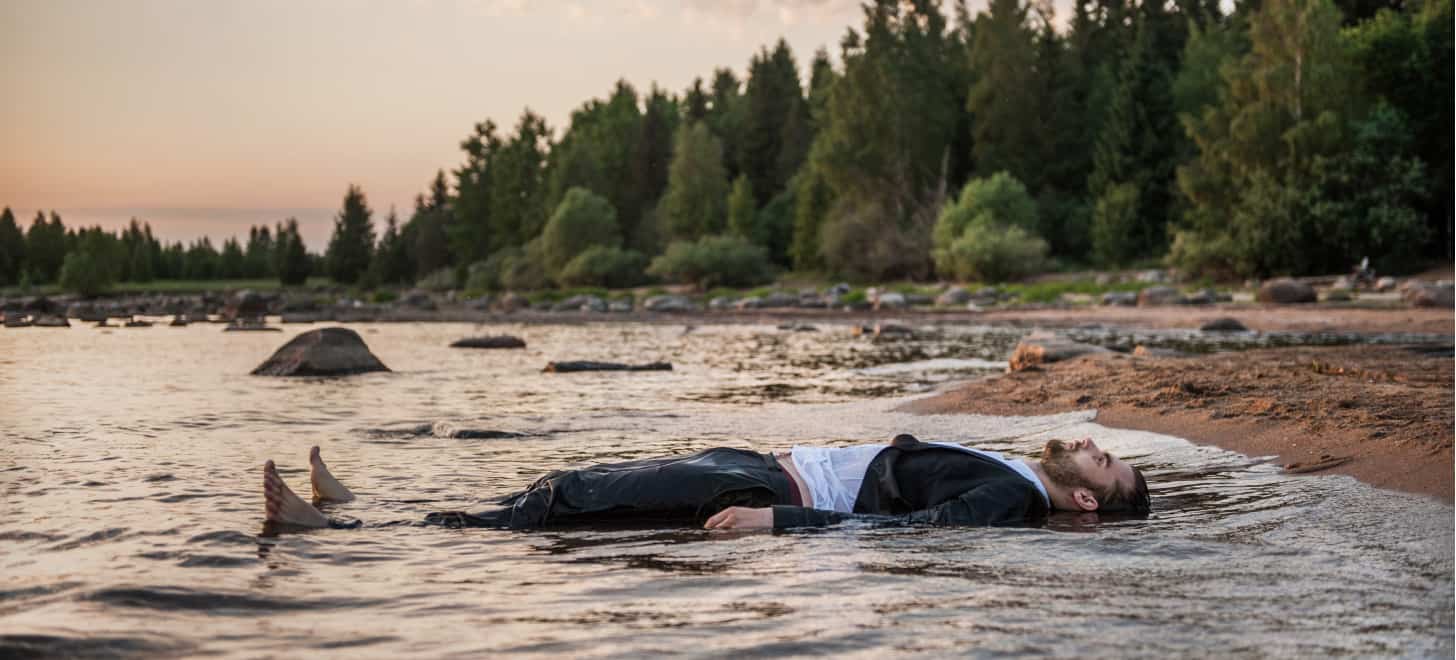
(996, 503)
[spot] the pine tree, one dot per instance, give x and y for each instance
(231, 264)
(695, 102)
(259, 253)
(352, 243)
(12, 249)
(651, 160)
(773, 100)
(517, 175)
(391, 263)
(468, 223)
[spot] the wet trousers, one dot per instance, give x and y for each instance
(686, 489)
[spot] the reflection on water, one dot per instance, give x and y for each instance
(131, 520)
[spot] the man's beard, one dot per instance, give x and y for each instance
(1056, 460)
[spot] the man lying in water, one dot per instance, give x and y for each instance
(904, 482)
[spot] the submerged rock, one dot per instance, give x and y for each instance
(587, 365)
(323, 352)
(1224, 324)
(1044, 347)
(492, 341)
(51, 322)
(1285, 291)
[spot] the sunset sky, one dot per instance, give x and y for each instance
(206, 116)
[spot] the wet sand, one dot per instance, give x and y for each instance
(1382, 414)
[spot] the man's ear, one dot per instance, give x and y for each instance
(1084, 499)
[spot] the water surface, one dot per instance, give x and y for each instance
(131, 511)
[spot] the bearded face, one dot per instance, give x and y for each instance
(1057, 459)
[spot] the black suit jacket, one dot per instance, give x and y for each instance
(912, 482)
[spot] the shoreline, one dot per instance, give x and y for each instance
(1380, 414)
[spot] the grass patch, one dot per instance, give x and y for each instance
(1046, 292)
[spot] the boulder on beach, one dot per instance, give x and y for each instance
(1224, 324)
(490, 341)
(1385, 284)
(1159, 295)
(587, 365)
(247, 304)
(48, 321)
(890, 300)
(1040, 348)
(323, 352)
(1285, 291)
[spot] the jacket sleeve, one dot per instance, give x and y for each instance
(989, 504)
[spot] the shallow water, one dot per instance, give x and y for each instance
(131, 512)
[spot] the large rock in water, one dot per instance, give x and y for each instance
(324, 352)
(1044, 347)
(1285, 291)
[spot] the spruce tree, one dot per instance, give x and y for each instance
(352, 243)
(741, 208)
(697, 186)
(651, 160)
(294, 264)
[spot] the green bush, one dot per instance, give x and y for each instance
(582, 220)
(84, 274)
(524, 271)
(441, 280)
(604, 266)
(987, 234)
(990, 253)
(714, 261)
(383, 296)
(486, 275)
(999, 199)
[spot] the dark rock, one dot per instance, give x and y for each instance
(1120, 298)
(13, 320)
(322, 352)
(797, 327)
(1159, 295)
(137, 323)
(812, 301)
(511, 302)
(48, 321)
(300, 317)
(1429, 295)
(669, 304)
(581, 303)
(620, 306)
(493, 341)
(751, 302)
(1202, 297)
(1285, 291)
(839, 290)
(1224, 324)
(1040, 348)
(954, 297)
(890, 300)
(418, 299)
(567, 367)
(246, 304)
(178, 321)
(722, 302)
(780, 299)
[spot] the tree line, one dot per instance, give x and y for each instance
(1281, 137)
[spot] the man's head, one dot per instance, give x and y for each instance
(1094, 480)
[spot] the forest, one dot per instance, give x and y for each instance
(1258, 138)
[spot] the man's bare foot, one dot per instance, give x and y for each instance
(325, 487)
(283, 506)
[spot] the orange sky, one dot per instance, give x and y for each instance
(121, 107)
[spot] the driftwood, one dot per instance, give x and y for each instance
(1043, 347)
(494, 341)
(586, 365)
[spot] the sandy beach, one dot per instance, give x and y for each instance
(1382, 414)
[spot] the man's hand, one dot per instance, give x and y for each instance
(741, 517)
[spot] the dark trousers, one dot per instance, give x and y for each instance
(686, 489)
